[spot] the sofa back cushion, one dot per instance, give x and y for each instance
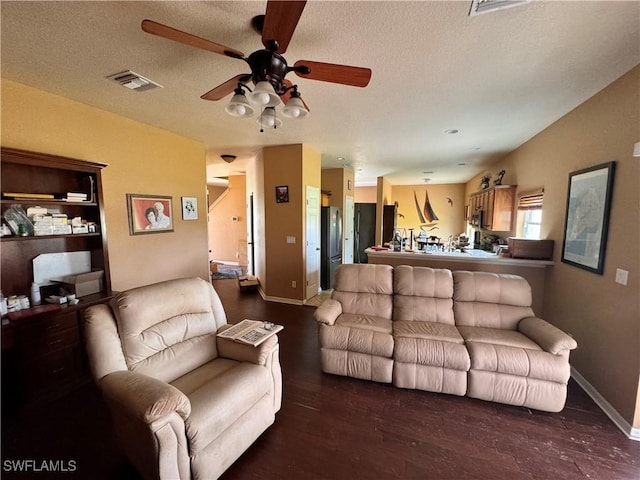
(168, 329)
(365, 289)
(423, 294)
(491, 300)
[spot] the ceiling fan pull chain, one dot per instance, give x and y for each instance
(261, 127)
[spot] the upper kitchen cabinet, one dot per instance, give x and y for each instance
(495, 206)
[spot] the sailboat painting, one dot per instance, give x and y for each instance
(427, 216)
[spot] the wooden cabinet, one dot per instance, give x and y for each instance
(497, 205)
(43, 351)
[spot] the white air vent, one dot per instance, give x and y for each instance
(478, 7)
(134, 81)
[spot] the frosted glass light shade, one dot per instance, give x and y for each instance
(295, 108)
(264, 95)
(239, 106)
(268, 118)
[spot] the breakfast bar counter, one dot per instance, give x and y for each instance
(472, 260)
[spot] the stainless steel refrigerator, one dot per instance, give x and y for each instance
(364, 230)
(330, 245)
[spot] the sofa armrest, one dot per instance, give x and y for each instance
(245, 353)
(550, 338)
(328, 312)
(144, 398)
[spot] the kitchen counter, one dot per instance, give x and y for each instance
(473, 256)
(472, 260)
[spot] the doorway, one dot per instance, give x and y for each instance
(312, 228)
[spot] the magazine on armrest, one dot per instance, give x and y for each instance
(251, 332)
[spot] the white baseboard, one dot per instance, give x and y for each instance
(290, 301)
(624, 426)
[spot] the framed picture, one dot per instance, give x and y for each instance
(189, 208)
(149, 213)
(282, 194)
(587, 217)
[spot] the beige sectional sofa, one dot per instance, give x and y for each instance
(462, 333)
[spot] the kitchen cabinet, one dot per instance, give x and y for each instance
(43, 347)
(497, 205)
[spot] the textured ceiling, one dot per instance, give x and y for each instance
(498, 78)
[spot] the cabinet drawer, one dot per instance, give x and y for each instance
(48, 325)
(52, 371)
(44, 335)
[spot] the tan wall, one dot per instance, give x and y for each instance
(450, 215)
(384, 197)
(602, 315)
(141, 159)
(215, 192)
(228, 239)
(365, 195)
(333, 181)
(284, 261)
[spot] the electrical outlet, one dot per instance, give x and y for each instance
(622, 276)
(293, 284)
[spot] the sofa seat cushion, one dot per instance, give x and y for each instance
(359, 333)
(428, 330)
(220, 392)
(497, 336)
(429, 343)
(365, 322)
(520, 362)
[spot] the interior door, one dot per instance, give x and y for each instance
(312, 242)
(250, 247)
(349, 215)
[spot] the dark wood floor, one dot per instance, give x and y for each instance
(334, 427)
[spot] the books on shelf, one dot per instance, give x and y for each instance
(28, 196)
(75, 197)
(251, 332)
(67, 197)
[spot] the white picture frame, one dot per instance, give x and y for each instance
(189, 208)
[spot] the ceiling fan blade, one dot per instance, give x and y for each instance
(226, 88)
(176, 35)
(330, 72)
(280, 22)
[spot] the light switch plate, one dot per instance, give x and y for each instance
(622, 276)
(291, 239)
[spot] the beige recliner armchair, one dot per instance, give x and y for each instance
(185, 403)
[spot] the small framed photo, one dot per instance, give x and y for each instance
(282, 194)
(189, 208)
(587, 218)
(149, 213)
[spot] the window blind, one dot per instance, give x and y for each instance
(531, 201)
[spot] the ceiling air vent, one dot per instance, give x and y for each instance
(134, 81)
(478, 7)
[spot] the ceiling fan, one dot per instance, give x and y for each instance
(268, 66)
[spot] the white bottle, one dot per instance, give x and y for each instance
(35, 294)
(3, 304)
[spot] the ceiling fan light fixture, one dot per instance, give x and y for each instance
(295, 108)
(264, 95)
(239, 106)
(269, 119)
